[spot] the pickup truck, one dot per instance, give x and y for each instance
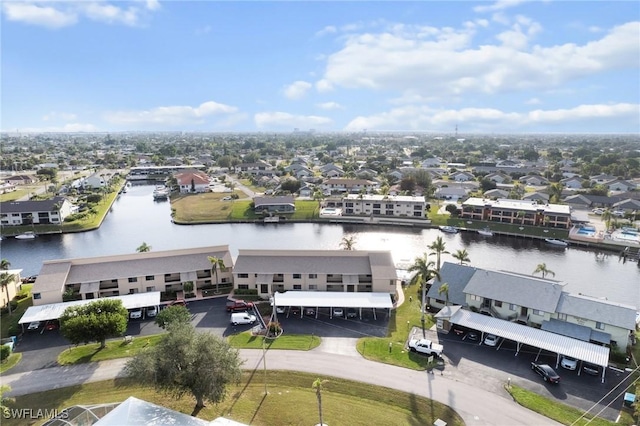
(425, 346)
(238, 305)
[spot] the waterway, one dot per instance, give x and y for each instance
(136, 218)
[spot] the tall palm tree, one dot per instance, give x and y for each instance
(438, 248)
(542, 268)
(318, 385)
(216, 263)
(425, 272)
(5, 280)
(444, 289)
(143, 248)
(555, 192)
(607, 216)
(461, 255)
(348, 242)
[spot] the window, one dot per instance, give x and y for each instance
(313, 287)
(599, 326)
(243, 287)
(151, 288)
(537, 312)
(224, 280)
(313, 276)
(133, 280)
(37, 296)
(497, 303)
(133, 290)
(297, 287)
(297, 276)
(243, 275)
(562, 317)
(150, 277)
(512, 307)
(475, 298)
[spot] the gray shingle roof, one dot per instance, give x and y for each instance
(603, 311)
(457, 277)
(30, 206)
(522, 290)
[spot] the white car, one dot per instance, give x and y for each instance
(597, 211)
(227, 198)
(135, 313)
(34, 325)
(491, 340)
(152, 311)
(569, 363)
(618, 213)
(338, 312)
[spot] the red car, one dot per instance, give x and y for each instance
(238, 305)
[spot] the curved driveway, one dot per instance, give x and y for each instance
(476, 406)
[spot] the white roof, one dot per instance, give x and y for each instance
(579, 349)
(321, 299)
(55, 310)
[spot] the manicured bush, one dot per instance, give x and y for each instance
(5, 351)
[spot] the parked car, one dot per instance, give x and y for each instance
(238, 305)
(598, 211)
(338, 312)
(34, 325)
(178, 302)
(242, 318)
(227, 198)
(569, 363)
(547, 373)
(618, 213)
(590, 369)
(51, 325)
(152, 311)
(491, 340)
(309, 312)
(352, 313)
(135, 313)
(280, 309)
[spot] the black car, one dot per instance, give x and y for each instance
(547, 373)
(352, 313)
(591, 369)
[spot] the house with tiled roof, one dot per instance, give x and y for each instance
(192, 181)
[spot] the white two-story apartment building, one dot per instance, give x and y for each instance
(384, 205)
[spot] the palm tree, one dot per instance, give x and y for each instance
(348, 242)
(317, 385)
(5, 280)
(555, 192)
(462, 255)
(216, 263)
(143, 248)
(607, 216)
(542, 268)
(438, 248)
(520, 215)
(425, 272)
(444, 289)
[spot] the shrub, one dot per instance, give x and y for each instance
(5, 351)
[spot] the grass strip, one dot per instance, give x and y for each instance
(292, 342)
(115, 349)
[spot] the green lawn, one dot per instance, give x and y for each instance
(298, 342)
(401, 322)
(290, 401)
(557, 411)
(116, 348)
(10, 362)
(10, 322)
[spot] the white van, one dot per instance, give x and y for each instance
(242, 318)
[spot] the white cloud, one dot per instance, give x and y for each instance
(58, 14)
(329, 105)
(297, 90)
(170, 115)
(329, 29)
(284, 120)
(45, 16)
(67, 128)
(425, 118)
(443, 62)
(55, 115)
(498, 5)
(533, 101)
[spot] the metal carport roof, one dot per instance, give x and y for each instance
(321, 299)
(55, 310)
(556, 343)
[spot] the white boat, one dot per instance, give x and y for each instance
(485, 232)
(556, 242)
(161, 193)
(449, 229)
(29, 235)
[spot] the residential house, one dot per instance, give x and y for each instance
(430, 162)
(280, 204)
(517, 212)
(506, 164)
(366, 174)
(462, 176)
(384, 205)
(306, 191)
(539, 197)
(601, 178)
(331, 171)
(591, 201)
(349, 185)
(534, 180)
(98, 179)
(40, 212)
(628, 205)
(574, 182)
(12, 286)
(536, 302)
(21, 180)
(192, 181)
(270, 271)
(453, 193)
(260, 168)
(496, 193)
(618, 185)
(302, 173)
(105, 276)
(498, 177)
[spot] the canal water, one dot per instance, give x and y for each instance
(136, 218)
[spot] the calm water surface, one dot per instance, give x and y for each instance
(136, 218)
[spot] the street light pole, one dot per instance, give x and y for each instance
(424, 288)
(264, 361)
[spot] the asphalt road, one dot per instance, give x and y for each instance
(476, 406)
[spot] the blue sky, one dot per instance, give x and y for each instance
(508, 66)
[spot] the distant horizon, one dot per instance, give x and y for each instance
(488, 67)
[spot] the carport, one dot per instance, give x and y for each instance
(317, 299)
(54, 311)
(524, 335)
